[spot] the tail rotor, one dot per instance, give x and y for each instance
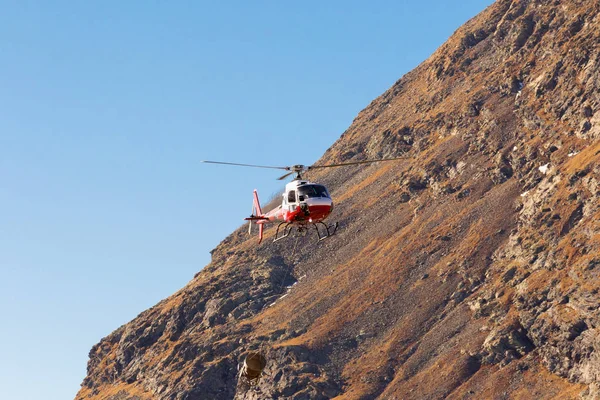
(250, 221)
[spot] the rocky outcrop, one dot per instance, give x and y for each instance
(468, 270)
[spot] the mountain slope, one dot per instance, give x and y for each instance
(469, 270)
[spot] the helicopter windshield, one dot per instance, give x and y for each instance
(309, 191)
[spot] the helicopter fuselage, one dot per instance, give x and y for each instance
(303, 203)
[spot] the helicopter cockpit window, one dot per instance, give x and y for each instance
(291, 197)
(309, 191)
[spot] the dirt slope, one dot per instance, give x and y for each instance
(470, 270)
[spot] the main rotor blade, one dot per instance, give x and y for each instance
(355, 163)
(246, 165)
(284, 176)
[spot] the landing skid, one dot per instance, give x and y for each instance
(327, 230)
(286, 229)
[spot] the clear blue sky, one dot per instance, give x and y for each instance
(106, 108)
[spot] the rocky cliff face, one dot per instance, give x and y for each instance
(470, 270)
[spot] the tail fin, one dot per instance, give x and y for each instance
(257, 216)
(257, 204)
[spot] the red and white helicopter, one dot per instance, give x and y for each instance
(303, 204)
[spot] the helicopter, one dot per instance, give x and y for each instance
(304, 203)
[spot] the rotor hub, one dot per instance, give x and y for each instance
(298, 168)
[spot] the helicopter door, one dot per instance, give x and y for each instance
(291, 197)
(291, 200)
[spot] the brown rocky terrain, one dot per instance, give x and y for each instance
(469, 271)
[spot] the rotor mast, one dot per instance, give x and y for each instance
(298, 170)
